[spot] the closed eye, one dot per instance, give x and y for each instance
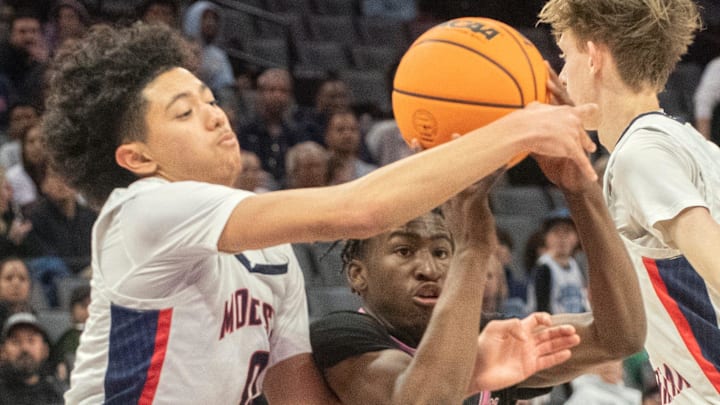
(185, 114)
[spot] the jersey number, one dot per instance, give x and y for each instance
(258, 362)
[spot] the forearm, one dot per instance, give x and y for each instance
(614, 288)
(448, 347)
(616, 327)
(387, 197)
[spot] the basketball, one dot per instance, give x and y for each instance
(463, 74)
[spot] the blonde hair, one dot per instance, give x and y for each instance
(646, 37)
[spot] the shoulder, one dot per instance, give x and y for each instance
(345, 334)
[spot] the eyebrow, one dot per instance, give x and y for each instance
(203, 87)
(414, 235)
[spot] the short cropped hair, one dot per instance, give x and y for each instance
(646, 37)
(303, 148)
(95, 102)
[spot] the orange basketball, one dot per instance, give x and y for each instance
(464, 74)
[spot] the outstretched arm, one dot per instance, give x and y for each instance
(394, 194)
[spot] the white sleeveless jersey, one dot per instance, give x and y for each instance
(658, 168)
(172, 320)
(567, 287)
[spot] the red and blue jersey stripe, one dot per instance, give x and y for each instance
(685, 297)
(138, 343)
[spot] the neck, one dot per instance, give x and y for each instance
(406, 336)
(619, 108)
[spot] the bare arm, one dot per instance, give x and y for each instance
(696, 233)
(296, 381)
(616, 328)
(408, 188)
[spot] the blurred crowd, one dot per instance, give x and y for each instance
(293, 133)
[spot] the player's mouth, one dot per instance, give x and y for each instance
(427, 294)
(228, 138)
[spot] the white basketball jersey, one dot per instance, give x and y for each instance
(172, 320)
(659, 168)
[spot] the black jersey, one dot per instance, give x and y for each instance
(341, 335)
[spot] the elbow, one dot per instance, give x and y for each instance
(626, 342)
(635, 341)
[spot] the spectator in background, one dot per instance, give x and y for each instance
(534, 248)
(496, 288)
(24, 56)
(332, 95)
(62, 227)
(253, 177)
(69, 19)
(15, 288)
(385, 144)
(557, 284)
(5, 94)
(384, 141)
(202, 23)
(343, 140)
(23, 359)
(63, 351)
(14, 228)
(159, 11)
(707, 100)
(603, 385)
(25, 176)
(307, 165)
(23, 115)
(403, 10)
(270, 133)
(515, 277)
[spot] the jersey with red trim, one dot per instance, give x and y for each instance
(659, 168)
(174, 321)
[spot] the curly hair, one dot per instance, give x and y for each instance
(95, 102)
(646, 37)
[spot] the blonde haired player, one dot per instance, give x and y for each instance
(662, 183)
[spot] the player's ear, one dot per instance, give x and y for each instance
(595, 56)
(357, 276)
(135, 157)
